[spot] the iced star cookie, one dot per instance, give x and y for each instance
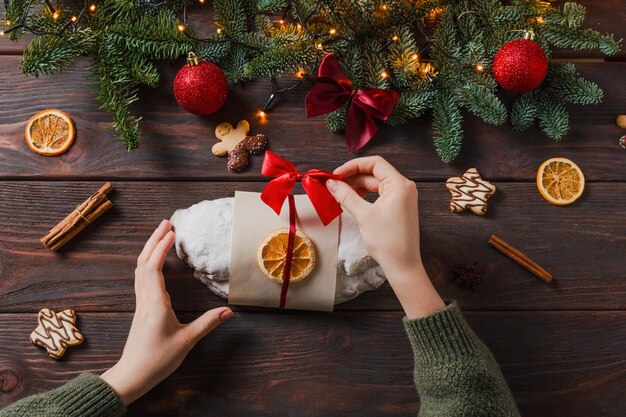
(56, 332)
(470, 192)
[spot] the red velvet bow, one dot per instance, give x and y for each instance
(333, 89)
(314, 183)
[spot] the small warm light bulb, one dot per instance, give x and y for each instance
(301, 73)
(56, 15)
(384, 75)
(319, 46)
(201, 1)
(219, 30)
(299, 26)
(1, 32)
(7, 23)
(92, 8)
(414, 57)
(395, 38)
(281, 21)
(332, 31)
(262, 114)
(384, 7)
(480, 68)
(540, 20)
(181, 27)
(74, 19)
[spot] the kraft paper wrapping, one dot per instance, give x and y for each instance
(253, 220)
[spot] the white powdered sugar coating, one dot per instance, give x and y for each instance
(203, 239)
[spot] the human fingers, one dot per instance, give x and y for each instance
(375, 165)
(206, 323)
(363, 181)
(164, 227)
(159, 254)
(348, 198)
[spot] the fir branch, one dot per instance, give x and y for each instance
(153, 36)
(213, 51)
(47, 54)
(116, 90)
(572, 16)
(448, 132)
(564, 81)
(411, 105)
(483, 103)
(336, 121)
(266, 6)
(524, 111)
(279, 60)
(553, 117)
(587, 39)
(231, 16)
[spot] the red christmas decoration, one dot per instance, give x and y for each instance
(520, 65)
(200, 87)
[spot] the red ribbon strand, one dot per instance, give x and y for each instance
(289, 257)
(285, 177)
(334, 89)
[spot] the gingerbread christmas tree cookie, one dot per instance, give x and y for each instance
(56, 332)
(470, 192)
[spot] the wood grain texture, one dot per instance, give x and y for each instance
(311, 364)
(581, 245)
(176, 144)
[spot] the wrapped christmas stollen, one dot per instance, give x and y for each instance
(203, 241)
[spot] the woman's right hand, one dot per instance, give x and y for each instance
(389, 228)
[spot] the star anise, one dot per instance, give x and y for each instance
(468, 275)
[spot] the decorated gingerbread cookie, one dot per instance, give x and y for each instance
(470, 192)
(56, 332)
(239, 157)
(236, 143)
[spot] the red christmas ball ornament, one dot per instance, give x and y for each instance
(200, 87)
(520, 65)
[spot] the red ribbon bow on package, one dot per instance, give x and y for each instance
(285, 177)
(333, 89)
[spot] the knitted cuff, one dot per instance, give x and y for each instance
(441, 336)
(89, 395)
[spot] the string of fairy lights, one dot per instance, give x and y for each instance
(55, 14)
(321, 41)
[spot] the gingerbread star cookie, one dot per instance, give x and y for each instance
(56, 332)
(470, 191)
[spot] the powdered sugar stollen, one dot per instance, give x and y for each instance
(203, 240)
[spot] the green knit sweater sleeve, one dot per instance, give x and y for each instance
(455, 374)
(85, 396)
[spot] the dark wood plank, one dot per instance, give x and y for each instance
(582, 245)
(605, 16)
(176, 145)
(307, 364)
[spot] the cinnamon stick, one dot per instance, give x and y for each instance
(84, 214)
(520, 258)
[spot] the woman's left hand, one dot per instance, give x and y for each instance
(157, 342)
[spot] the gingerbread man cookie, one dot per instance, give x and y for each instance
(236, 143)
(470, 191)
(56, 332)
(229, 137)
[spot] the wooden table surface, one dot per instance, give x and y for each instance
(561, 347)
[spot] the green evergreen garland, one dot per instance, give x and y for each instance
(379, 44)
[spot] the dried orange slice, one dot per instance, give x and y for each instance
(560, 181)
(272, 254)
(50, 132)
